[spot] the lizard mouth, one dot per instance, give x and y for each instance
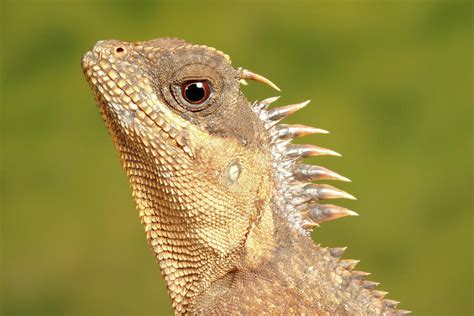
(125, 96)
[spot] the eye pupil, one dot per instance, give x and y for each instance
(196, 92)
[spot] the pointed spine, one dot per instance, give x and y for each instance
(266, 102)
(310, 225)
(279, 113)
(359, 275)
(258, 106)
(247, 74)
(390, 303)
(379, 294)
(307, 150)
(287, 131)
(349, 264)
(320, 213)
(325, 192)
(337, 252)
(369, 285)
(309, 173)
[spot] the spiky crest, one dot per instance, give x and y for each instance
(299, 199)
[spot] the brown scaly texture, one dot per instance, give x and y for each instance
(225, 199)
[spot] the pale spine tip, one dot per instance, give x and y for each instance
(379, 294)
(244, 82)
(279, 113)
(247, 74)
(307, 150)
(337, 251)
(310, 172)
(320, 213)
(325, 192)
(288, 132)
(269, 101)
(370, 285)
(359, 275)
(349, 264)
(390, 303)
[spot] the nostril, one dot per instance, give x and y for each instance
(120, 51)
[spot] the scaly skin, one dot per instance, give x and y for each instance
(224, 198)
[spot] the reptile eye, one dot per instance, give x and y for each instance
(196, 92)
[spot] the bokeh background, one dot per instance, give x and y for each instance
(392, 81)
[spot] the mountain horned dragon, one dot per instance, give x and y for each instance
(227, 203)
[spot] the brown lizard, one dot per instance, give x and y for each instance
(226, 201)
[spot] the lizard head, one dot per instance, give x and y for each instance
(197, 156)
(167, 86)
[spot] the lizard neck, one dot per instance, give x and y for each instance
(184, 240)
(288, 272)
(200, 223)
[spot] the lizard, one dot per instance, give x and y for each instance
(226, 200)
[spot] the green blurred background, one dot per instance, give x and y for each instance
(392, 81)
